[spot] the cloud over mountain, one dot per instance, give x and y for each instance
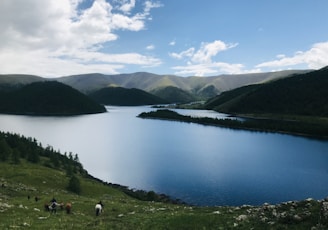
(47, 34)
(315, 58)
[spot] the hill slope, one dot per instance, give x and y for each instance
(18, 79)
(173, 94)
(125, 97)
(47, 98)
(303, 94)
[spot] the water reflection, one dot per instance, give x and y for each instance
(199, 164)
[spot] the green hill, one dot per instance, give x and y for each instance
(174, 95)
(29, 171)
(302, 95)
(125, 97)
(47, 98)
(18, 79)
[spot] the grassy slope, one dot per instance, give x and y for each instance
(124, 212)
(173, 94)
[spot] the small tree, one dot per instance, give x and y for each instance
(5, 150)
(74, 185)
(33, 156)
(15, 156)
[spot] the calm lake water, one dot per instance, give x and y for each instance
(201, 165)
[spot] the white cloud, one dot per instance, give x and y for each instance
(314, 58)
(172, 43)
(214, 68)
(150, 47)
(187, 53)
(150, 5)
(124, 22)
(200, 62)
(127, 6)
(209, 50)
(51, 38)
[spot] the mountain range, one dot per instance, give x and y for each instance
(169, 87)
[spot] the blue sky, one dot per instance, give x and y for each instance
(182, 37)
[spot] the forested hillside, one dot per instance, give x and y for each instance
(47, 98)
(125, 97)
(302, 94)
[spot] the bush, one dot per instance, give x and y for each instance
(74, 185)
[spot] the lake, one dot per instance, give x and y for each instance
(198, 164)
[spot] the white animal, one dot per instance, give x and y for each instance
(98, 209)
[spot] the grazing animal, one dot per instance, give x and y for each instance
(53, 207)
(46, 207)
(98, 209)
(68, 208)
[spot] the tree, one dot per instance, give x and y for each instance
(76, 158)
(74, 185)
(15, 156)
(33, 156)
(5, 150)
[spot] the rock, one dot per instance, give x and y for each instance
(241, 218)
(264, 219)
(297, 218)
(283, 214)
(216, 212)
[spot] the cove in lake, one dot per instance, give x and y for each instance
(198, 164)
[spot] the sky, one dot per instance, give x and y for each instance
(55, 38)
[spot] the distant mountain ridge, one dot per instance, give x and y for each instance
(149, 82)
(198, 88)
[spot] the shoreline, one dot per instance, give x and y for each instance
(252, 123)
